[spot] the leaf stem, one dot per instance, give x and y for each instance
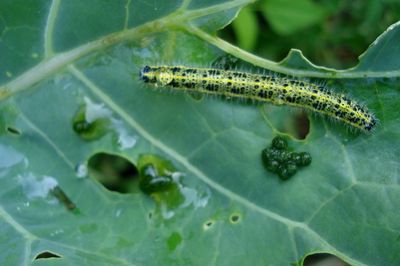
(320, 72)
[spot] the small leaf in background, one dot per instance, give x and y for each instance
(246, 28)
(287, 16)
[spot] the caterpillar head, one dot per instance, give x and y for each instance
(159, 76)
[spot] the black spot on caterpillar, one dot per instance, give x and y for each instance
(263, 88)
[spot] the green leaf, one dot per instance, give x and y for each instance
(288, 16)
(381, 54)
(61, 56)
(246, 28)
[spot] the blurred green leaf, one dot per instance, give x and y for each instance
(246, 28)
(288, 16)
(57, 56)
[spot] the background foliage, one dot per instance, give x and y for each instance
(330, 33)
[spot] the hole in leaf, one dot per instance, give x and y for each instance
(13, 131)
(46, 255)
(116, 173)
(323, 259)
(235, 218)
(208, 224)
(302, 125)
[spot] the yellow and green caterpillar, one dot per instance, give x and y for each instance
(263, 88)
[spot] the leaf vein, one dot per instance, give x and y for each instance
(49, 28)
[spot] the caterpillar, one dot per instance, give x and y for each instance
(262, 88)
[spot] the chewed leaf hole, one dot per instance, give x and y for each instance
(235, 218)
(207, 225)
(114, 172)
(47, 255)
(323, 259)
(13, 131)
